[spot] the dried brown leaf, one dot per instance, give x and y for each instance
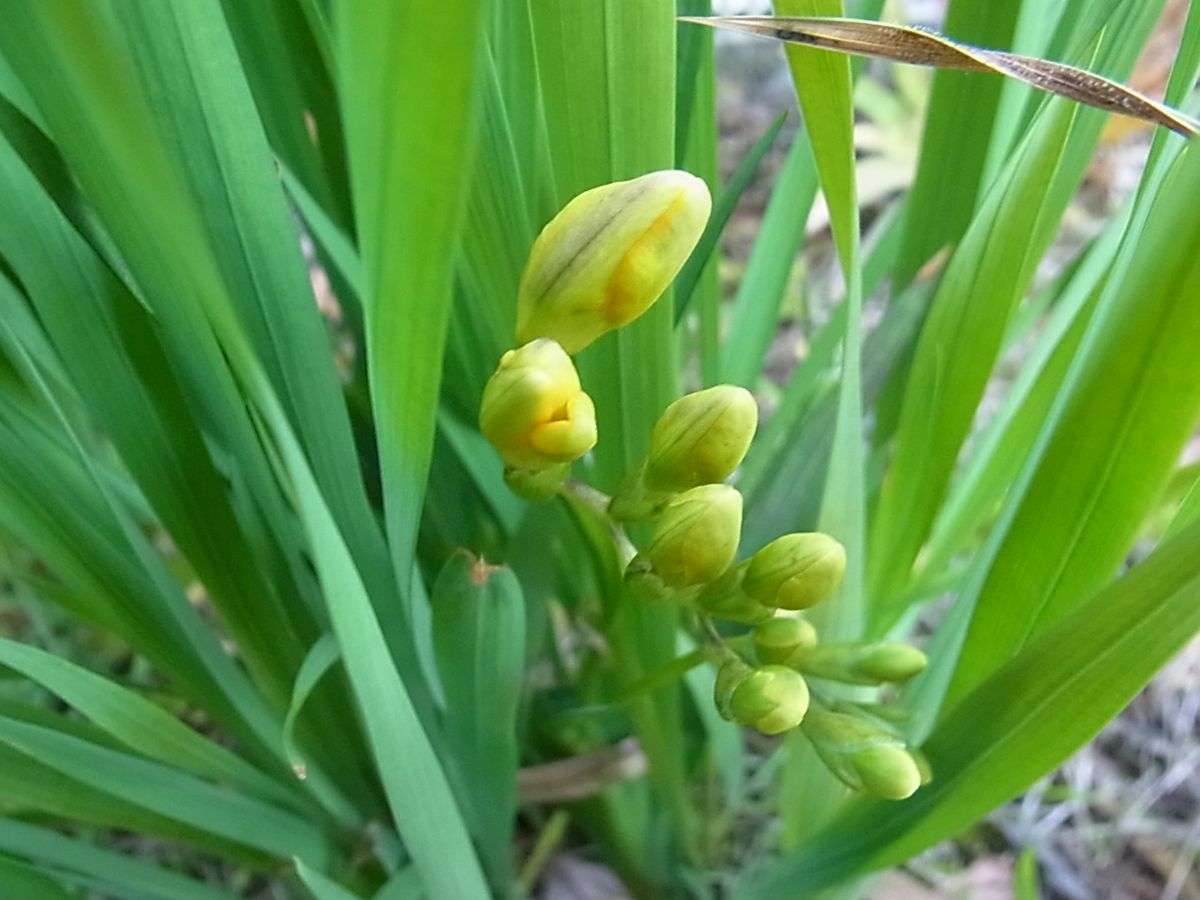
(919, 47)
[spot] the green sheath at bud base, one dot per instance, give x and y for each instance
(537, 484)
(610, 253)
(701, 438)
(796, 571)
(782, 641)
(731, 673)
(863, 663)
(634, 501)
(725, 599)
(696, 536)
(772, 699)
(534, 410)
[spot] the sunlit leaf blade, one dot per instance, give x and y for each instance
(983, 283)
(1123, 425)
(185, 58)
(920, 47)
(409, 198)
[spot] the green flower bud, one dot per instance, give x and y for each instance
(796, 571)
(610, 253)
(701, 438)
(863, 754)
(696, 536)
(772, 699)
(891, 662)
(782, 641)
(534, 410)
(887, 771)
(725, 599)
(863, 663)
(731, 673)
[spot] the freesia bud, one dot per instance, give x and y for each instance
(796, 571)
(887, 771)
(701, 438)
(534, 410)
(772, 699)
(610, 253)
(782, 641)
(696, 536)
(862, 754)
(862, 663)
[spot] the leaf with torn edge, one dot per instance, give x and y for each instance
(919, 47)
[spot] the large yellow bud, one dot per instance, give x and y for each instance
(610, 253)
(534, 410)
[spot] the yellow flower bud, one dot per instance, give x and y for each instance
(796, 571)
(701, 438)
(863, 754)
(862, 663)
(782, 641)
(610, 253)
(696, 536)
(534, 410)
(772, 699)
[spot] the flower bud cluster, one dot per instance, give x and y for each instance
(770, 591)
(599, 264)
